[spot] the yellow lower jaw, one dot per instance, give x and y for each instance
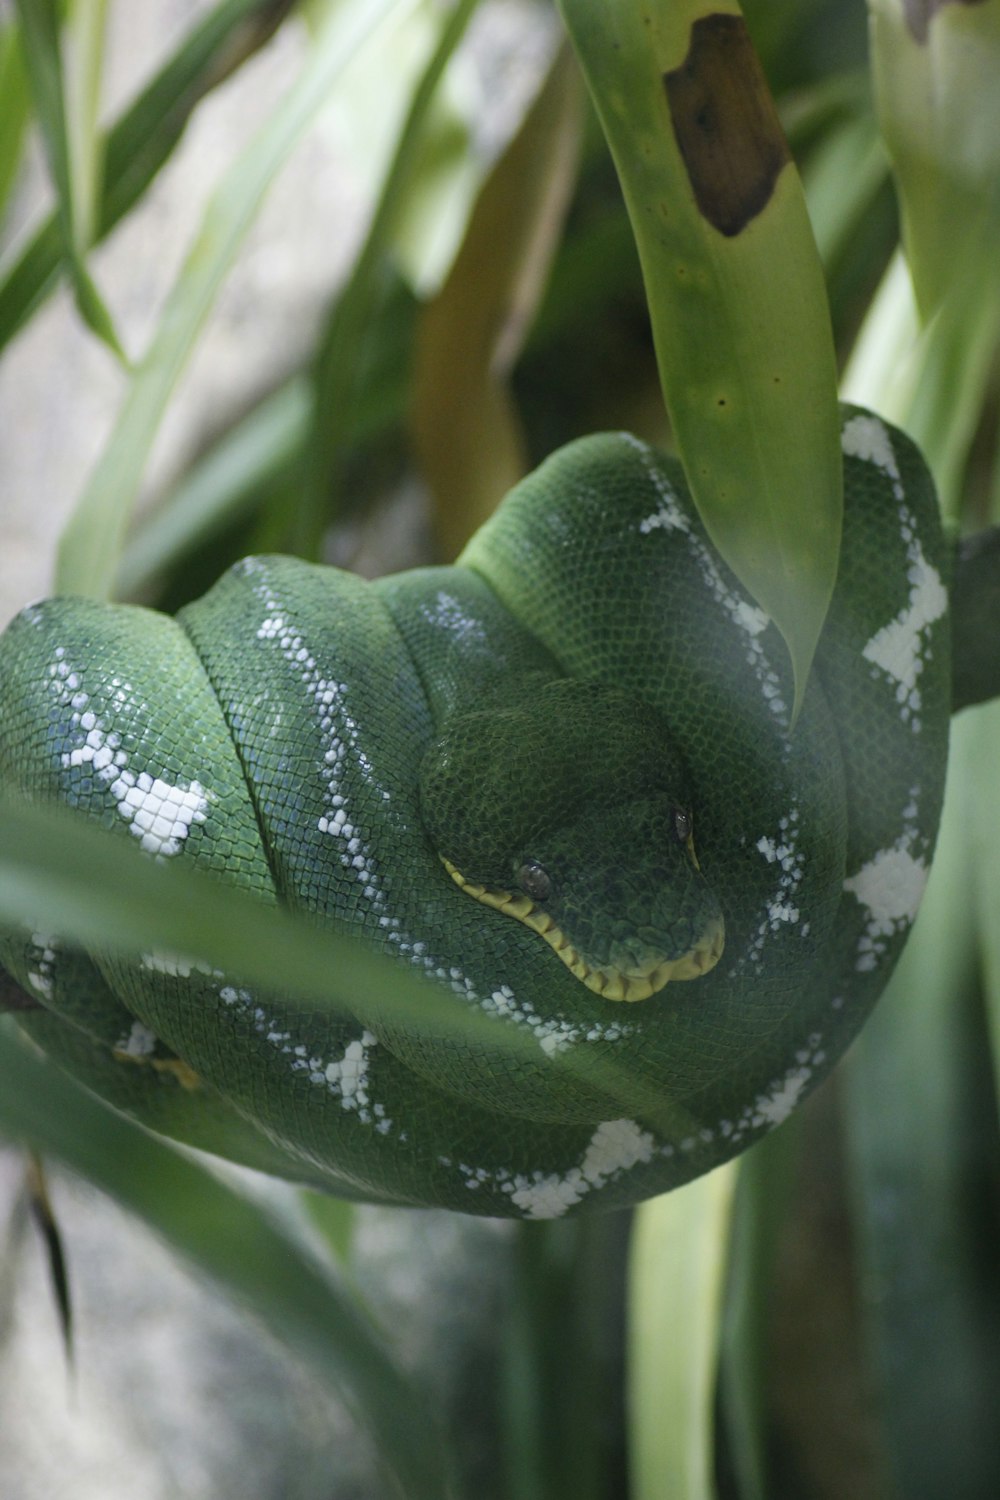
(613, 984)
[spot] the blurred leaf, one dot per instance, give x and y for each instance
(142, 140)
(465, 427)
(335, 1220)
(922, 1134)
(217, 489)
(14, 110)
(931, 380)
(763, 1191)
(338, 361)
(735, 290)
(253, 1258)
(935, 67)
(100, 891)
(675, 1311)
(70, 141)
(91, 543)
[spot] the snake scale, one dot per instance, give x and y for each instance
(559, 778)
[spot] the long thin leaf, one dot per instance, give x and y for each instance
(675, 1311)
(91, 544)
(59, 872)
(15, 94)
(338, 356)
(248, 1254)
(735, 290)
(72, 159)
(141, 141)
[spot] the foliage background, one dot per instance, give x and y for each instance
(827, 1324)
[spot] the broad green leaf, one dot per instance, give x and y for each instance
(735, 291)
(337, 376)
(466, 431)
(675, 1310)
(92, 541)
(250, 1255)
(70, 140)
(142, 140)
(920, 1126)
(935, 65)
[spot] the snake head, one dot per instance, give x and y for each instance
(570, 810)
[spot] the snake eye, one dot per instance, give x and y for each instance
(682, 825)
(534, 881)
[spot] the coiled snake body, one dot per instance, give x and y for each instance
(559, 778)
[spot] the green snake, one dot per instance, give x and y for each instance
(559, 778)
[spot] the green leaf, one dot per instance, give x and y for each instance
(735, 291)
(763, 1194)
(60, 872)
(91, 544)
(935, 67)
(338, 357)
(15, 108)
(675, 1308)
(68, 123)
(248, 1253)
(142, 140)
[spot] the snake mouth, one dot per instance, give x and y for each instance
(611, 983)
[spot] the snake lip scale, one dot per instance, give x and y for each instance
(611, 983)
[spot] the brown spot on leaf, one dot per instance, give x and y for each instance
(920, 13)
(725, 123)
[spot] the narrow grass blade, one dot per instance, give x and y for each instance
(467, 434)
(141, 141)
(735, 291)
(70, 139)
(91, 543)
(338, 358)
(675, 1310)
(218, 488)
(252, 1258)
(15, 107)
(922, 1133)
(763, 1191)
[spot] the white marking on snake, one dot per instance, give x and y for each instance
(896, 648)
(158, 812)
(139, 1042)
(748, 619)
(865, 437)
(615, 1146)
(346, 1077)
(781, 1097)
(890, 886)
(42, 957)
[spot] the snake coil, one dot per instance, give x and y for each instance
(556, 777)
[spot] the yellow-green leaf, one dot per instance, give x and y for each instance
(735, 290)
